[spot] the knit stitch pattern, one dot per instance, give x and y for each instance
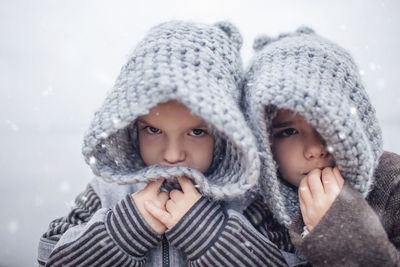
(199, 66)
(319, 80)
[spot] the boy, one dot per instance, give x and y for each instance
(324, 175)
(172, 118)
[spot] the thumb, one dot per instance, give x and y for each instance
(163, 216)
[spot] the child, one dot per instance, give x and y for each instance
(172, 115)
(324, 175)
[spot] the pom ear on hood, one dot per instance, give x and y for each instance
(231, 31)
(263, 40)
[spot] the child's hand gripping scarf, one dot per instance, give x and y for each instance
(199, 66)
(316, 78)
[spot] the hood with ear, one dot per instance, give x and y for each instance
(319, 80)
(199, 66)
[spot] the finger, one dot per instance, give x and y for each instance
(186, 184)
(304, 192)
(170, 206)
(162, 198)
(175, 195)
(338, 176)
(329, 181)
(303, 206)
(315, 184)
(161, 215)
(155, 185)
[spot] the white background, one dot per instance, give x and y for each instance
(59, 58)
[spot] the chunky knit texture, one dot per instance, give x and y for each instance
(199, 66)
(316, 78)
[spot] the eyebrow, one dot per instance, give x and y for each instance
(197, 126)
(282, 124)
(143, 121)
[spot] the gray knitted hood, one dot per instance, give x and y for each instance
(319, 80)
(199, 66)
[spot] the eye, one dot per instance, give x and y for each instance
(286, 133)
(152, 130)
(197, 132)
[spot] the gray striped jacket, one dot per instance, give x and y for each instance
(106, 229)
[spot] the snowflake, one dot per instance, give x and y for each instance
(372, 66)
(70, 204)
(117, 123)
(48, 91)
(380, 84)
(64, 187)
(92, 160)
(38, 201)
(13, 226)
(343, 27)
(13, 126)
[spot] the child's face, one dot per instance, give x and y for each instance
(171, 136)
(297, 147)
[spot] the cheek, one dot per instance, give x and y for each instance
(148, 149)
(285, 155)
(202, 153)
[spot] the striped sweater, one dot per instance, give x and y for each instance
(106, 229)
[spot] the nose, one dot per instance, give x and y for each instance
(315, 147)
(174, 152)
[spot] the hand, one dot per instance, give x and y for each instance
(150, 192)
(177, 206)
(317, 192)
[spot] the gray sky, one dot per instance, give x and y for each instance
(59, 58)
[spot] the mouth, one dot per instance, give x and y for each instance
(321, 168)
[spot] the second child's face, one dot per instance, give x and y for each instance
(171, 136)
(297, 147)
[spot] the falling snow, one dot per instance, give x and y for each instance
(64, 187)
(13, 226)
(39, 201)
(70, 204)
(330, 149)
(92, 160)
(380, 84)
(48, 91)
(117, 123)
(12, 125)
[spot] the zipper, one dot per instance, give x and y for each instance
(165, 252)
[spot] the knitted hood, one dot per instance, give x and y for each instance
(319, 80)
(199, 66)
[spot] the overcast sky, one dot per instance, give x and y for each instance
(59, 58)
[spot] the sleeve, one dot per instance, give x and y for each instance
(350, 233)
(92, 236)
(209, 236)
